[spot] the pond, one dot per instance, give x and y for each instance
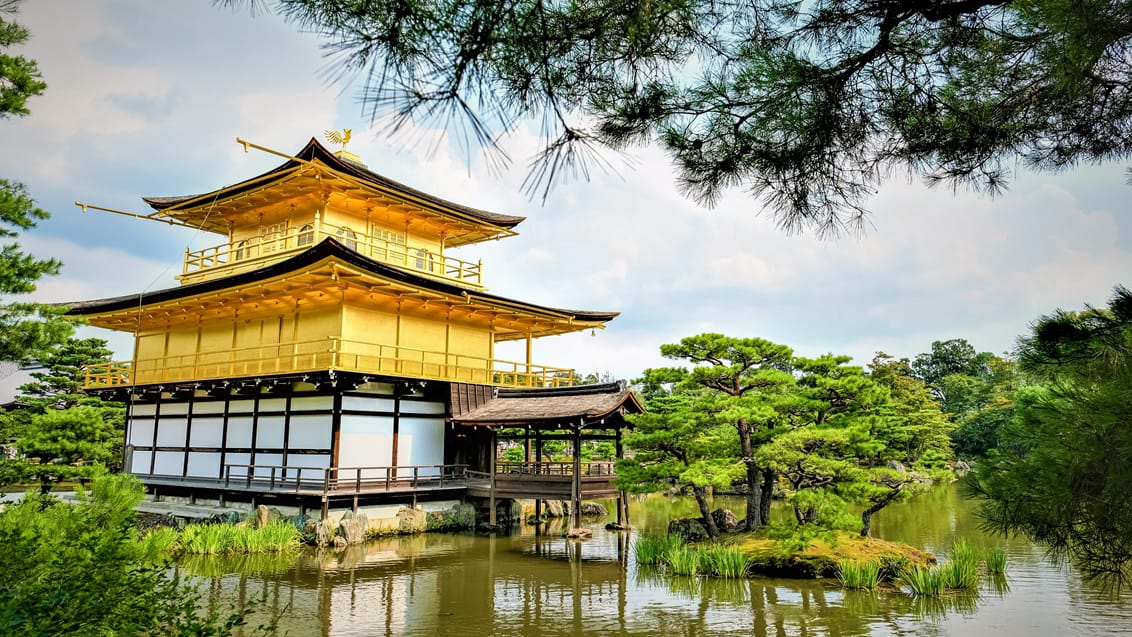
(528, 584)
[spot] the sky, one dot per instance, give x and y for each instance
(146, 98)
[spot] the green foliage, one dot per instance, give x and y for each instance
(159, 543)
(808, 107)
(727, 562)
(923, 582)
(995, 561)
(1061, 471)
(961, 572)
(514, 454)
(683, 560)
(81, 570)
(858, 575)
(228, 539)
(651, 549)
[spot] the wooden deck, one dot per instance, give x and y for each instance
(545, 481)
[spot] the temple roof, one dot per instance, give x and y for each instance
(332, 263)
(585, 404)
(196, 209)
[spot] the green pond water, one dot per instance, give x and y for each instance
(528, 584)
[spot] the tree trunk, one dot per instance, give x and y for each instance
(769, 480)
(867, 514)
(754, 486)
(705, 511)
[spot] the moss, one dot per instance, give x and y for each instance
(820, 556)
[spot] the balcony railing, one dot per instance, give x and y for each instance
(253, 253)
(326, 354)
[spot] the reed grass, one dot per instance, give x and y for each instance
(923, 582)
(158, 543)
(859, 575)
(962, 571)
(995, 560)
(651, 549)
(725, 561)
(684, 560)
(227, 539)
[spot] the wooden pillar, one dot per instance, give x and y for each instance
(538, 516)
(576, 486)
(491, 493)
(622, 504)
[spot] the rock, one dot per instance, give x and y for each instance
(299, 522)
(553, 509)
(593, 509)
(340, 542)
(613, 526)
(961, 467)
(688, 529)
(896, 466)
(411, 521)
(725, 520)
(262, 517)
(225, 517)
(579, 534)
(353, 527)
(323, 533)
(173, 522)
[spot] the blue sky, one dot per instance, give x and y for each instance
(147, 98)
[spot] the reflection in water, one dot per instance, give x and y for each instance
(543, 584)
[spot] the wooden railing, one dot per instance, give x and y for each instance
(249, 254)
(341, 480)
(326, 354)
(556, 468)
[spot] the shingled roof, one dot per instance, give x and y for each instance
(587, 404)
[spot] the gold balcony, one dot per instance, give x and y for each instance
(326, 354)
(254, 253)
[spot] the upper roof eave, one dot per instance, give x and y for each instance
(316, 151)
(328, 248)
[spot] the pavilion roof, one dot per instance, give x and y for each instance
(587, 405)
(328, 263)
(332, 171)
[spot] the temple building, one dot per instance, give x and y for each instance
(332, 352)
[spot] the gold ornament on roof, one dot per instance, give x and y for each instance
(334, 137)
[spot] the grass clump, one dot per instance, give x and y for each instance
(228, 539)
(726, 561)
(651, 549)
(684, 560)
(962, 572)
(995, 560)
(159, 542)
(859, 575)
(923, 582)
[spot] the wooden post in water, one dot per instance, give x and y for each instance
(621, 505)
(576, 490)
(491, 495)
(538, 516)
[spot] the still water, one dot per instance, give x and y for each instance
(527, 584)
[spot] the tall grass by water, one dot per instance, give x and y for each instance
(859, 575)
(671, 553)
(995, 561)
(959, 573)
(651, 549)
(222, 539)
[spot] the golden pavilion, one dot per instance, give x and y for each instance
(332, 351)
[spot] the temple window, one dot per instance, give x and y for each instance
(306, 235)
(349, 238)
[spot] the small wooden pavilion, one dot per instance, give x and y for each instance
(575, 415)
